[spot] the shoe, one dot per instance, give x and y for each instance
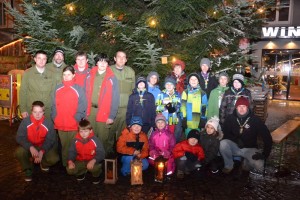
(80, 177)
(44, 169)
(226, 171)
(180, 174)
(96, 180)
(28, 175)
(214, 171)
(256, 172)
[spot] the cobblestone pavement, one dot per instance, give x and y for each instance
(284, 184)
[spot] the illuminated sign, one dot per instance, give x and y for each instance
(281, 32)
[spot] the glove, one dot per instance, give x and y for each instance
(258, 156)
(191, 157)
(170, 108)
(184, 123)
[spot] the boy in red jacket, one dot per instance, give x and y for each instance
(188, 154)
(85, 153)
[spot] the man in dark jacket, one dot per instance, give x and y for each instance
(241, 130)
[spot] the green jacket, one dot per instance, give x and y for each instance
(214, 101)
(126, 79)
(57, 71)
(36, 87)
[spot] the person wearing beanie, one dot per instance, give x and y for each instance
(193, 105)
(241, 132)
(103, 98)
(57, 64)
(132, 144)
(153, 86)
(178, 73)
(168, 103)
(208, 82)
(217, 95)
(231, 95)
(161, 143)
(188, 154)
(142, 103)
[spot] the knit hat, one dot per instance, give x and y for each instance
(238, 77)
(141, 79)
(242, 101)
(170, 79)
(59, 50)
(152, 74)
(224, 74)
(160, 117)
(136, 120)
(214, 122)
(179, 62)
(205, 61)
(193, 74)
(194, 133)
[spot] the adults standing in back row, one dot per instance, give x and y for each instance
(208, 82)
(57, 64)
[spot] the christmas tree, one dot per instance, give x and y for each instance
(146, 30)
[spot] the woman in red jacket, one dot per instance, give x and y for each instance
(68, 108)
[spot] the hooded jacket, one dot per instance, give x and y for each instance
(214, 101)
(81, 77)
(181, 148)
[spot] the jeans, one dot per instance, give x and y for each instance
(126, 168)
(229, 149)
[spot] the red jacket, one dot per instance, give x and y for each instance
(184, 146)
(81, 77)
(109, 96)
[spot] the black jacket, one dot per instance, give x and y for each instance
(211, 84)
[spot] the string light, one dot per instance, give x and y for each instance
(153, 23)
(12, 43)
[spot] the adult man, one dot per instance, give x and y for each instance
(241, 130)
(37, 138)
(37, 84)
(57, 64)
(126, 78)
(103, 100)
(82, 71)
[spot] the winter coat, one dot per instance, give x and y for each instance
(253, 129)
(81, 77)
(229, 99)
(181, 148)
(180, 82)
(209, 84)
(57, 71)
(128, 142)
(109, 97)
(69, 106)
(154, 90)
(214, 101)
(38, 133)
(86, 149)
(210, 144)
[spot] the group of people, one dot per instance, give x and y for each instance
(194, 121)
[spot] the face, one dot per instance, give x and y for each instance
(160, 124)
(242, 109)
(193, 81)
(120, 59)
(192, 141)
(40, 60)
(37, 112)
(153, 80)
(177, 70)
(169, 86)
(237, 84)
(141, 85)
(135, 128)
(102, 65)
(84, 133)
(68, 76)
(210, 129)
(223, 80)
(58, 58)
(204, 68)
(81, 61)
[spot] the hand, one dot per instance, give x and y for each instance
(91, 164)
(39, 158)
(184, 123)
(24, 114)
(170, 108)
(109, 121)
(34, 152)
(190, 156)
(71, 164)
(137, 153)
(258, 156)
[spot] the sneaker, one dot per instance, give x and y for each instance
(44, 169)
(96, 180)
(80, 177)
(180, 174)
(28, 175)
(256, 172)
(214, 171)
(226, 171)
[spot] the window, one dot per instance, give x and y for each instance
(281, 13)
(2, 14)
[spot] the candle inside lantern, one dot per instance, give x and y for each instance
(136, 172)
(160, 169)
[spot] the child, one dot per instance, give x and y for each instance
(188, 154)
(178, 73)
(85, 153)
(153, 86)
(161, 143)
(217, 95)
(38, 142)
(141, 103)
(194, 104)
(210, 141)
(133, 143)
(168, 103)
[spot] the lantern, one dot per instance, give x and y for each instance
(160, 167)
(136, 172)
(111, 174)
(164, 60)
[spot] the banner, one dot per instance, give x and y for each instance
(5, 90)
